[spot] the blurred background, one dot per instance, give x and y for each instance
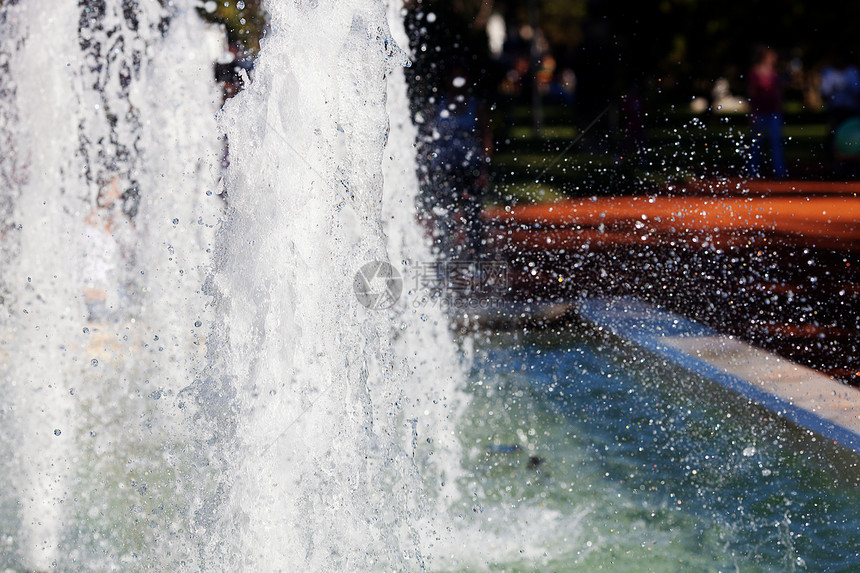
(594, 149)
(673, 73)
(580, 163)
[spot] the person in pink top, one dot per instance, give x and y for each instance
(765, 92)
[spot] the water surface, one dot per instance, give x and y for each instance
(587, 456)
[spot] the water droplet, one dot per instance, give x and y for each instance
(240, 5)
(86, 330)
(94, 362)
(57, 432)
(198, 324)
(749, 451)
(175, 221)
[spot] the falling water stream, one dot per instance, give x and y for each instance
(176, 397)
(332, 399)
(190, 381)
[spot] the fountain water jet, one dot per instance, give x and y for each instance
(323, 466)
(315, 431)
(424, 340)
(105, 236)
(311, 427)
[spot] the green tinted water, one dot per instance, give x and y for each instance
(583, 456)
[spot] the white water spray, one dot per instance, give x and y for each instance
(110, 152)
(326, 471)
(315, 432)
(434, 382)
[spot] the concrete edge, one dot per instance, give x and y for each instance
(599, 311)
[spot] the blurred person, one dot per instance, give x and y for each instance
(458, 167)
(840, 91)
(765, 92)
(562, 89)
(497, 32)
(102, 253)
(723, 101)
(512, 83)
(545, 73)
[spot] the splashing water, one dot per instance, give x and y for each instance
(106, 227)
(435, 381)
(176, 399)
(150, 424)
(327, 396)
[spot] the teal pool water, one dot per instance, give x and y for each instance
(583, 456)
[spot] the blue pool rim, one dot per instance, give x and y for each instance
(614, 315)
